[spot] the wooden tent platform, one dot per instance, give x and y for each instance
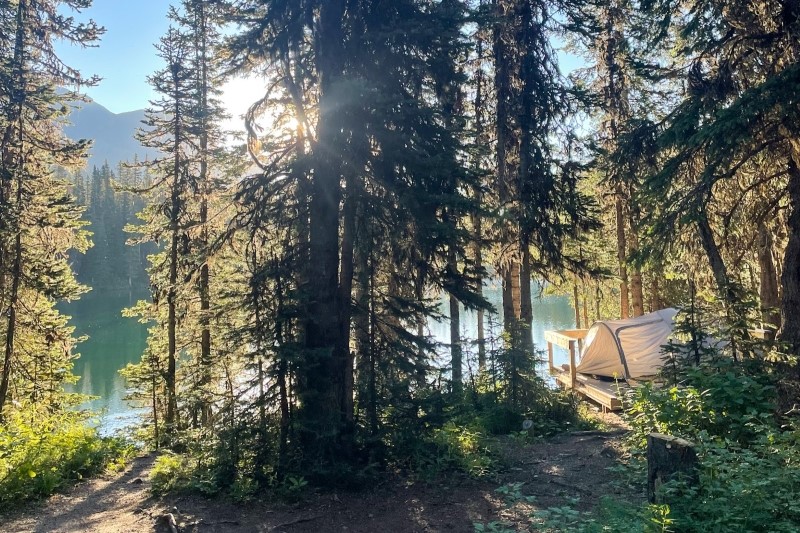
(605, 393)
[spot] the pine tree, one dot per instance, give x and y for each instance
(381, 152)
(169, 129)
(39, 222)
(732, 123)
(542, 207)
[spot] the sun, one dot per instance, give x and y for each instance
(292, 124)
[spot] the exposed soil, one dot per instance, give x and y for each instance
(572, 465)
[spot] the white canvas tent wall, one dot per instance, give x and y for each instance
(628, 348)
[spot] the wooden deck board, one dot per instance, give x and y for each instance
(605, 393)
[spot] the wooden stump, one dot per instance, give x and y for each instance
(668, 458)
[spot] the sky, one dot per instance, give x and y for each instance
(126, 56)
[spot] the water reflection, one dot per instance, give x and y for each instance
(113, 342)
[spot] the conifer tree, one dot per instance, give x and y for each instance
(39, 222)
(380, 149)
(542, 208)
(169, 129)
(184, 126)
(735, 115)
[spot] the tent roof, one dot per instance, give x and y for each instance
(627, 348)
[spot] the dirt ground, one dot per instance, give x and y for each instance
(571, 465)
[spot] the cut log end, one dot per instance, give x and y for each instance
(668, 458)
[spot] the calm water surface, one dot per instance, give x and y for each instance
(115, 341)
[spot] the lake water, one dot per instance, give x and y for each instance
(115, 341)
(549, 312)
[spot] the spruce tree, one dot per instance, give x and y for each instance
(39, 222)
(379, 155)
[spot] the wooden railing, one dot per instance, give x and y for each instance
(569, 339)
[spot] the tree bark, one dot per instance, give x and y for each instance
(715, 260)
(790, 279)
(622, 255)
(345, 295)
(478, 257)
(322, 385)
(17, 159)
(526, 301)
(768, 282)
(205, 191)
(455, 345)
(576, 304)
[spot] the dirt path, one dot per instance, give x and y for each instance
(570, 465)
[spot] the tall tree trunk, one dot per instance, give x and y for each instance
(636, 284)
(790, 278)
(478, 258)
(512, 303)
(205, 191)
(655, 290)
(526, 301)
(637, 293)
(476, 218)
(171, 418)
(455, 345)
(372, 370)
(322, 385)
(205, 277)
(16, 157)
(345, 296)
(622, 255)
(11, 313)
(768, 286)
(170, 376)
(507, 144)
(715, 260)
(585, 304)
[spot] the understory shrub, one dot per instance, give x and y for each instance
(40, 453)
(742, 488)
(749, 473)
(721, 401)
(462, 448)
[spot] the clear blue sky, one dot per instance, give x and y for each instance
(125, 56)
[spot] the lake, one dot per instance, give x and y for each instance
(115, 341)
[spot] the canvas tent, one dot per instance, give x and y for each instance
(629, 348)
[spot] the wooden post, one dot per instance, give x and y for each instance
(573, 375)
(550, 356)
(668, 458)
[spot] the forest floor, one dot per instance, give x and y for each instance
(568, 466)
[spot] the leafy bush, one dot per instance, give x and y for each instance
(459, 447)
(40, 453)
(749, 474)
(751, 488)
(174, 472)
(720, 401)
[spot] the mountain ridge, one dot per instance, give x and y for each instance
(112, 134)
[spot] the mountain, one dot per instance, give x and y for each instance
(112, 133)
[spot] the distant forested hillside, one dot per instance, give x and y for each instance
(105, 187)
(112, 134)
